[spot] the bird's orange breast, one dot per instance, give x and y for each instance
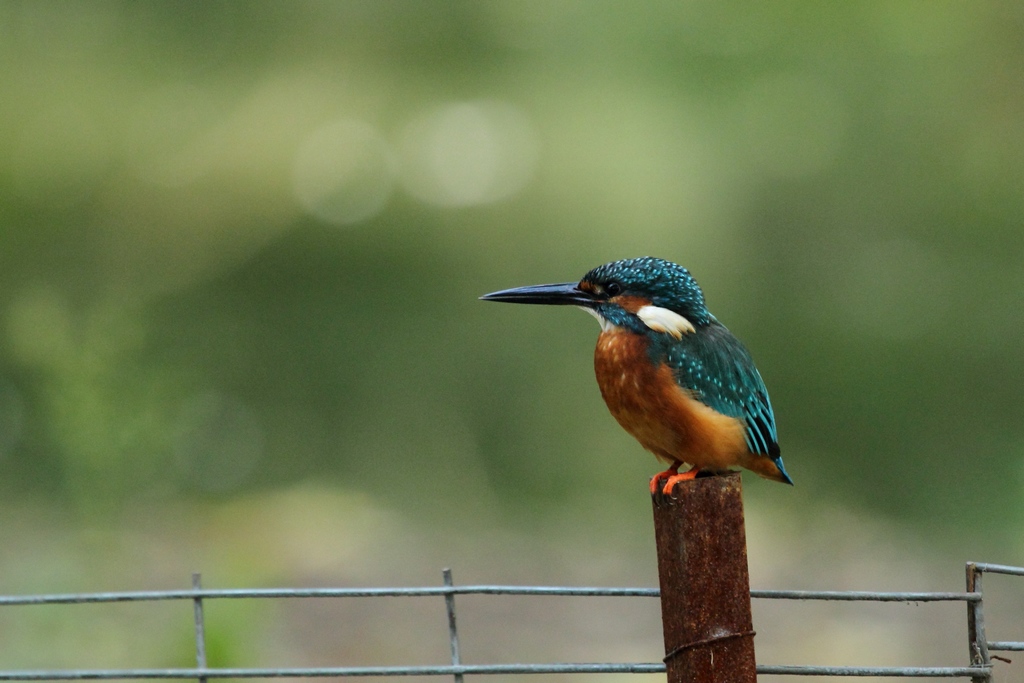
(665, 418)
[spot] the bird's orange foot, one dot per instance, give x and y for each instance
(659, 479)
(670, 482)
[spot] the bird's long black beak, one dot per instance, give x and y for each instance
(565, 294)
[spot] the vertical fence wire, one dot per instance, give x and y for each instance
(453, 631)
(197, 610)
(976, 626)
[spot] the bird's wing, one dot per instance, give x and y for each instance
(718, 369)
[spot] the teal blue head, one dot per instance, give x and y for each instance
(640, 294)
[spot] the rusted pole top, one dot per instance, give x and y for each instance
(705, 587)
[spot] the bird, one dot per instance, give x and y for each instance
(671, 374)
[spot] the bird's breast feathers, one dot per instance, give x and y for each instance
(665, 418)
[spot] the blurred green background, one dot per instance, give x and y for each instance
(242, 245)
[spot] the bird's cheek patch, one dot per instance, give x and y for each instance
(663, 320)
(630, 303)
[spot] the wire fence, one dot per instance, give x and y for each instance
(979, 669)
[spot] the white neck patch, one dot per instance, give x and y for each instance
(606, 325)
(663, 320)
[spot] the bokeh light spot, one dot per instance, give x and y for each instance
(468, 153)
(343, 173)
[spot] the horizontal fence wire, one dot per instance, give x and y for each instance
(869, 596)
(1006, 646)
(330, 672)
(482, 669)
(240, 593)
(998, 568)
(458, 669)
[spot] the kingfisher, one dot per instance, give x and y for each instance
(673, 376)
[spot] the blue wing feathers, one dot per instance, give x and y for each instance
(718, 369)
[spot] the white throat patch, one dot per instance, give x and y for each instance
(663, 320)
(606, 325)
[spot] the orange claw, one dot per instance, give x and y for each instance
(670, 482)
(659, 479)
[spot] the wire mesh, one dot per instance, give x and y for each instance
(979, 669)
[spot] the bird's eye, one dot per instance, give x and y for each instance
(613, 289)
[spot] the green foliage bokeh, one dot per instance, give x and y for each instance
(845, 180)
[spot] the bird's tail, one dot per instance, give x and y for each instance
(783, 475)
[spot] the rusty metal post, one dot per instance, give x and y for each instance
(705, 587)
